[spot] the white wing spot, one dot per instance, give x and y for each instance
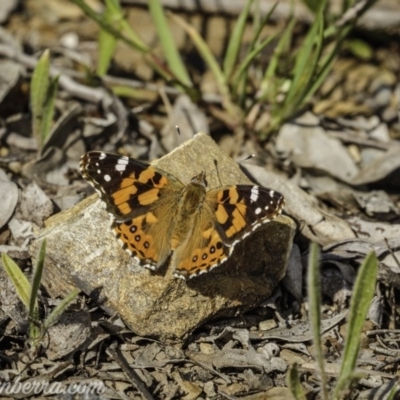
(122, 163)
(254, 194)
(107, 178)
(99, 171)
(266, 207)
(258, 210)
(271, 193)
(102, 156)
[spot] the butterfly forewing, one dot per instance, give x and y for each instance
(141, 200)
(127, 186)
(241, 209)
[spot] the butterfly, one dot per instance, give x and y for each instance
(158, 219)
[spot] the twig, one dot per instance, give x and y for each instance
(115, 353)
(346, 138)
(226, 395)
(354, 12)
(207, 368)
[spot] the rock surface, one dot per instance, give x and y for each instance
(83, 252)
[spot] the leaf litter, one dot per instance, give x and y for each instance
(338, 175)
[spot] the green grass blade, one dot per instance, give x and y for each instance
(293, 382)
(304, 59)
(270, 77)
(168, 45)
(394, 391)
(272, 81)
(304, 73)
(61, 307)
(204, 51)
(314, 299)
(346, 4)
(243, 67)
(313, 5)
(359, 49)
(39, 90)
(260, 26)
(34, 328)
(326, 66)
(48, 109)
(236, 40)
(124, 32)
(107, 42)
(37, 278)
(363, 293)
(113, 10)
(212, 63)
(240, 77)
(19, 280)
(304, 78)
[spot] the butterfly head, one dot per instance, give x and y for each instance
(200, 179)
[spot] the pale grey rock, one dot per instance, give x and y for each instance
(83, 252)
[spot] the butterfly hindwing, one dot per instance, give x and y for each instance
(140, 236)
(203, 248)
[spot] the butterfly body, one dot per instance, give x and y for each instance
(189, 205)
(158, 218)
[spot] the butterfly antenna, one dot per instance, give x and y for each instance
(217, 171)
(247, 158)
(392, 252)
